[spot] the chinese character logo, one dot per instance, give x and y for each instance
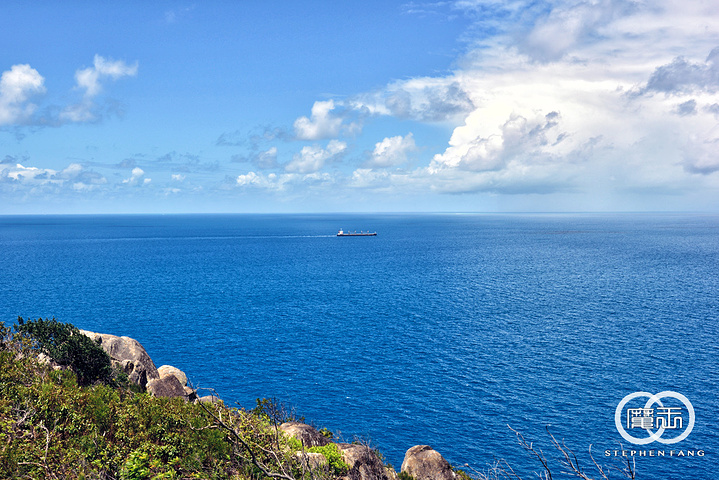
(655, 418)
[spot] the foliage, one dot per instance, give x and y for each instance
(334, 458)
(54, 426)
(67, 347)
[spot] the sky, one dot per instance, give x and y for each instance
(359, 106)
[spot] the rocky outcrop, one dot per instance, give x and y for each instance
(210, 399)
(307, 434)
(166, 370)
(128, 354)
(420, 462)
(364, 463)
(313, 461)
(167, 386)
(424, 463)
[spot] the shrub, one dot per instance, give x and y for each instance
(334, 458)
(67, 347)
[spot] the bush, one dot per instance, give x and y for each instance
(67, 347)
(334, 458)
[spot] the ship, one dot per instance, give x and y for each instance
(342, 233)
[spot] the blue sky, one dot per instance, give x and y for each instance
(373, 106)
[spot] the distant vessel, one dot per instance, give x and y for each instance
(342, 233)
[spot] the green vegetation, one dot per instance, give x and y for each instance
(67, 347)
(333, 455)
(64, 413)
(66, 419)
(404, 476)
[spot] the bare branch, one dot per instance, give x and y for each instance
(246, 446)
(536, 452)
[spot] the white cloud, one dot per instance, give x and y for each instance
(313, 158)
(283, 182)
(424, 99)
(75, 176)
(17, 85)
(250, 178)
(392, 151)
(597, 99)
(584, 91)
(321, 124)
(137, 177)
(178, 177)
(90, 80)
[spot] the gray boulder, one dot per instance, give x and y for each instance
(165, 370)
(190, 393)
(313, 461)
(210, 399)
(307, 434)
(167, 386)
(364, 463)
(128, 354)
(424, 463)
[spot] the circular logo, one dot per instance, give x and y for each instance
(646, 422)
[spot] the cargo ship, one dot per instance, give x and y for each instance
(342, 233)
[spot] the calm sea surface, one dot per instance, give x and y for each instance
(442, 330)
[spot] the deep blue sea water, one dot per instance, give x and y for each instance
(442, 330)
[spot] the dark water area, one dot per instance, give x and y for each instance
(441, 330)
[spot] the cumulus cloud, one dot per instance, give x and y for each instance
(682, 75)
(321, 124)
(284, 182)
(392, 151)
(90, 81)
(313, 157)
(563, 98)
(75, 176)
(137, 178)
(520, 139)
(89, 78)
(423, 99)
(559, 30)
(17, 85)
(250, 178)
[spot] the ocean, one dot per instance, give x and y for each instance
(444, 329)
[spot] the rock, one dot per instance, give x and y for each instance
(315, 461)
(190, 393)
(364, 463)
(170, 370)
(307, 434)
(210, 399)
(168, 386)
(127, 353)
(424, 463)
